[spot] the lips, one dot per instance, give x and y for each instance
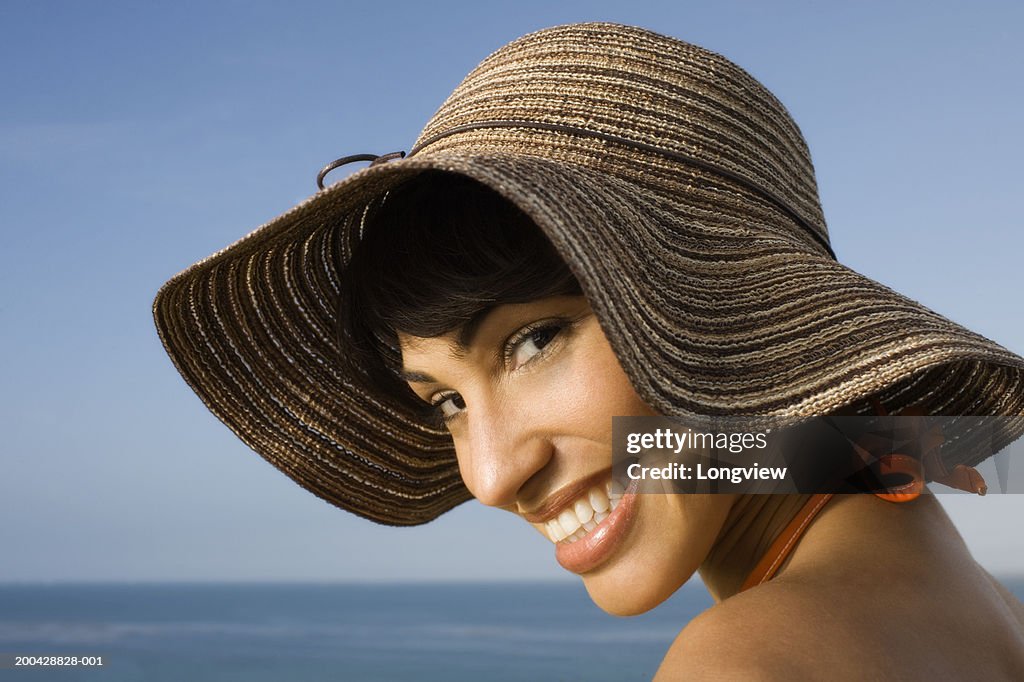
(590, 528)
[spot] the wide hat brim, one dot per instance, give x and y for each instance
(706, 316)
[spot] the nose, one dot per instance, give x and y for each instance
(499, 452)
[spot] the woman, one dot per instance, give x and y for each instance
(601, 221)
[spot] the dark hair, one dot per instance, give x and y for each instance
(438, 254)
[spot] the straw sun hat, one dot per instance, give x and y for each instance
(682, 196)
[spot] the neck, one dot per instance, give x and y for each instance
(750, 528)
(856, 538)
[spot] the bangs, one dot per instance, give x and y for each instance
(438, 254)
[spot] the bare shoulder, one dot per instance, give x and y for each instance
(791, 629)
(1013, 605)
(759, 635)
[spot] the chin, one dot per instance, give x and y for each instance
(634, 594)
(646, 573)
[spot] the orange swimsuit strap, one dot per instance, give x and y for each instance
(783, 546)
(904, 476)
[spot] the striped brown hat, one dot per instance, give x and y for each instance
(682, 196)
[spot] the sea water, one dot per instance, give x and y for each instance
(299, 632)
(348, 632)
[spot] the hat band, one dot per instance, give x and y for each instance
(675, 156)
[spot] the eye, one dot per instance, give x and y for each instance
(530, 342)
(448, 405)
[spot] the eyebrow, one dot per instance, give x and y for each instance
(463, 340)
(468, 331)
(416, 377)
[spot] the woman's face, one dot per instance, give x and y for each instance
(529, 395)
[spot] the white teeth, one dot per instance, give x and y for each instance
(568, 521)
(555, 531)
(598, 500)
(615, 490)
(585, 514)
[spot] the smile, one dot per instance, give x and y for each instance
(586, 513)
(590, 528)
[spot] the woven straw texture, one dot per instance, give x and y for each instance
(681, 194)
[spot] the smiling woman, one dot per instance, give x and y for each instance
(604, 222)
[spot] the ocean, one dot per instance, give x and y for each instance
(348, 632)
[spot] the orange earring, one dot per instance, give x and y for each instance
(902, 476)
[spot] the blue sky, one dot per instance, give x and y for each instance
(136, 138)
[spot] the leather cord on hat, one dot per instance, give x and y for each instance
(374, 159)
(573, 130)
